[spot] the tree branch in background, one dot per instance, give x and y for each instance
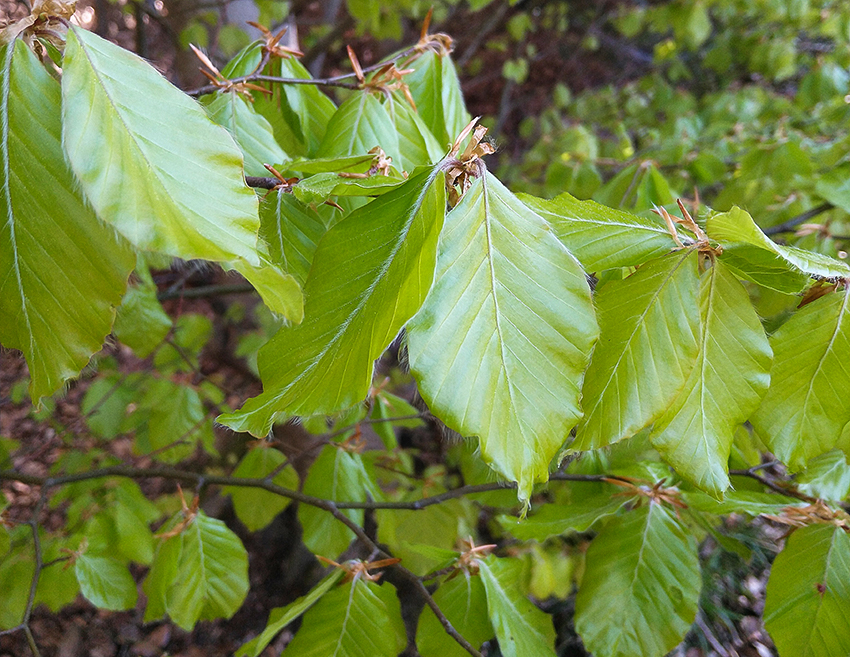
(788, 226)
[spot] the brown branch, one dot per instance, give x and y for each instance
(752, 473)
(788, 226)
(205, 291)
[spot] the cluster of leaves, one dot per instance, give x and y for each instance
(651, 374)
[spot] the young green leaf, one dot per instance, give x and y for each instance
(251, 130)
(292, 231)
(807, 607)
(386, 406)
(105, 582)
(355, 617)
(463, 601)
(805, 409)
(827, 477)
(747, 502)
(601, 237)
(325, 364)
(730, 377)
(255, 507)
(641, 586)
(521, 628)
(280, 617)
(279, 290)
(500, 346)
(648, 345)
(416, 143)
(737, 227)
(141, 322)
(557, 519)
(148, 158)
(319, 187)
(199, 574)
(64, 272)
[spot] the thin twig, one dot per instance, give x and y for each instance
(206, 291)
(764, 481)
(788, 226)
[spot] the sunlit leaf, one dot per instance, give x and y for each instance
(807, 606)
(805, 409)
(827, 477)
(601, 237)
(641, 586)
(649, 327)
(62, 272)
(730, 377)
(148, 158)
(463, 601)
(324, 364)
(500, 346)
(521, 628)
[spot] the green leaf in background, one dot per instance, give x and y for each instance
(805, 409)
(834, 186)
(172, 418)
(556, 519)
(738, 227)
(826, 477)
(641, 586)
(500, 346)
(521, 628)
(436, 91)
(601, 237)
(141, 322)
(649, 327)
(325, 364)
(280, 617)
(52, 247)
(149, 159)
(360, 124)
(251, 130)
(255, 507)
(355, 617)
(292, 231)
(748, 502)
(336, 475)
(279, 290)
(807, 608)
(416, 143)
(105, 404)
(388, 405)
(462, 600)
(105, 582)
(639, 187)
(730, 377)
(199, 574)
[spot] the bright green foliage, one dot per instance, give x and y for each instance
(730, 377)
(807, 610)
(360, 124)
(43, 257)
(292, 231)
(279, 290)
(500, 345)
(461, 599)
(324, 364)
(556, 519)
(105, 582)
(805, 409)
(167, 179)
(357, 618)
(388, 405)
(336, 475)
(649, 332)
(641, 586)
(827, 476)
(520, 627)
(750, 503)
(283, 616)
(255, 507)
(199, 574)
(600, 237)
(141, 322)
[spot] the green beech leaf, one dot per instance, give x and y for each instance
(52, 247)
(292, 231)
(280, 617)
(730, 377)
(360, 124)
(386, 406)
(764, 268)
(557, 519)
(805, 409)
(807, 606)
(251, 130)
(435, 88)
(602, 237)
(279, 290)
(148, 158)
(141, 322)
(738, 227)
(171, 414)
(827, 477)
(105, 582)
(641, 586)
(336, 475)
(463, 601)
(307, 167)
(521, 628)
(751, 503)
(834, 186)
(355, 617)
(199, 574)
(417, 144)
(649, 327)
(255, 507)
(319, 187)
(500, 345)
(325, 364)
